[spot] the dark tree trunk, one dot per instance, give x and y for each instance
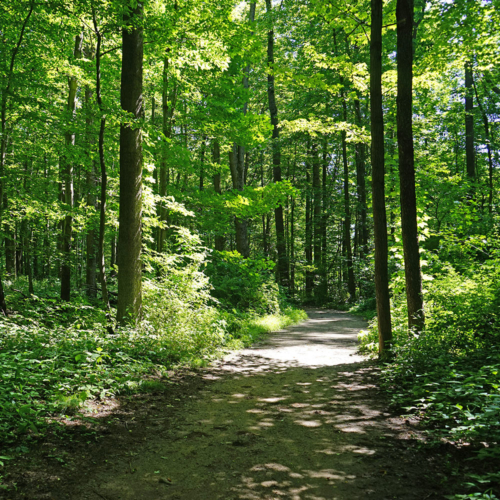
(404, 19)
(220, 240)
(317, 224)
(169, 101)
(309, 230)
(67, 178)
(488, 148)
(470, 155)
(237, 164)
(282, 268)
(351, 283)
(90, 239)
(104, 175)
(378, 181)
(324, 217)
(361, 188)
(130, 233)
(202, 162)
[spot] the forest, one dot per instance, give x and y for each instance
(180, 177)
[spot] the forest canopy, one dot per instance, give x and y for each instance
(173, 171)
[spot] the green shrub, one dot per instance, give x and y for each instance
(244, 284)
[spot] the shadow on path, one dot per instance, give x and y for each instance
(296, 417)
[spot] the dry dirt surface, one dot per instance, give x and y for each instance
(298, 416)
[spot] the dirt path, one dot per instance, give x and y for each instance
(295, 417)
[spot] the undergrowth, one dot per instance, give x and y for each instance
(449, 375)
(55, 356)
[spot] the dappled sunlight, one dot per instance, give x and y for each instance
(267, 428)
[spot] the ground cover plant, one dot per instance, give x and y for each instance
(449, 375)
(54, 357)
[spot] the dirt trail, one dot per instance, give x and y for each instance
(296, 417)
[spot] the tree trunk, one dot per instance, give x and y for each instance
(237, 165)
(90, 239)
(378, 181)
(470, 154)
(67, 178)
(220, 240)
(169, 101)
(351, 283)
(104, 175)
(488, 148)
(317, 223)
(130, 233)
(202, 162)
(309, 230)
(361, 188)
(282, 268)
(404, 19)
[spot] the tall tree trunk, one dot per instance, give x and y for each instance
(237, 164)
(404, 19)
(90, 239)
(67, 178)
(470, 154)
(104, 175)
(317, 223)
(282, 268)
(361, 187)
(309, 229)
(3, 129)
(220, 240)
(202, 162)
(324, 216)
(351, 283)
(130, 233)
(488, 149)
(169, 101)
(378, 181)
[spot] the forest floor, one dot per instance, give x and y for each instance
(297, 416)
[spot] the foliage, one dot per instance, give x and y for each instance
(56, 356)
(450, 374)
(244, 284)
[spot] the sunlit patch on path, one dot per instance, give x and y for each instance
(298, 416)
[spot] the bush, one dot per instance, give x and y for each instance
(450, 373)
(244, 284)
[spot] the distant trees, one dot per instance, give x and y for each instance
(258, 129)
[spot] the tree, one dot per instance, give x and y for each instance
(130, 232)
(404, 19)
(283, 275)
(67, 178)
(378, 180)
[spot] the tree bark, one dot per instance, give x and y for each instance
(309, 229)
(488, 148)
(130, 233)
(237, 165)
(317, 224)
(361, 187)
(104, 175)
(282, 268)
(220, 240)
(378, 182)
(404, 19)
(470, 154)
(169, 101)
(90, 238)
(67, 179)
(351, 283)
